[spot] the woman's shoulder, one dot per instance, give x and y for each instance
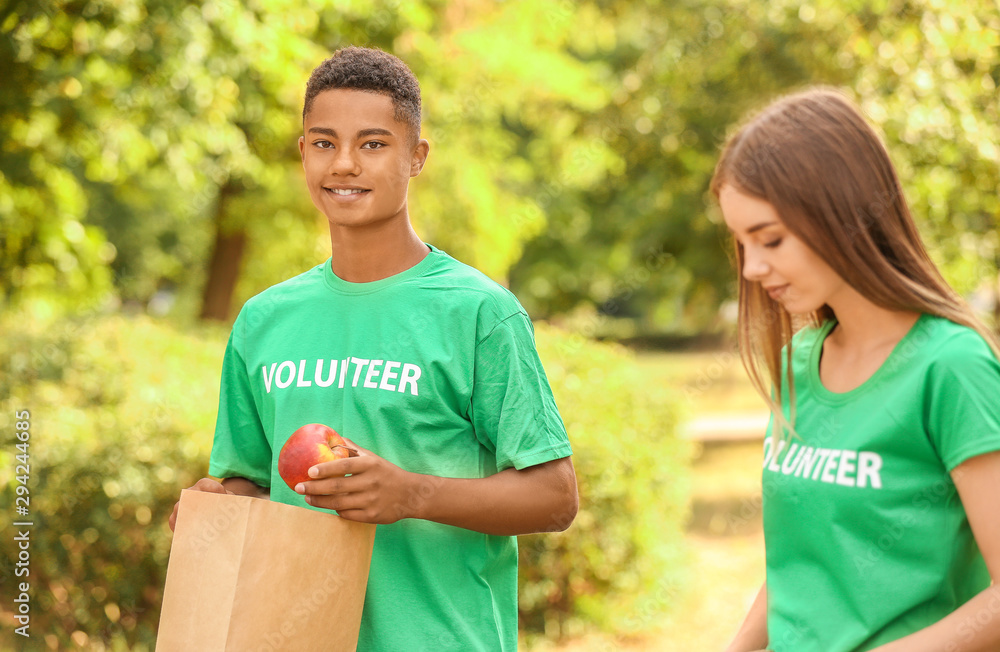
(934, 344)
(940, 336)
(945, 345)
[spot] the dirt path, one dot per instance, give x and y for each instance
(728, 572)
(727, 547)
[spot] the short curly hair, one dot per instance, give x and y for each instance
(369, 69)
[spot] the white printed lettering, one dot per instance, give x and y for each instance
(773, 466)
(790, 458)
(267, 379)
(373, 371)
(767, 450)
(846, 468)
(821, 455)
(388, 374)
(869, 465)
(806, 461)
(301, 382)
(290, 366)
(360, 364)
(830, 466)
(411, 374)
(319, 373)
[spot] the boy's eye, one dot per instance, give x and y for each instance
(772, 244)
(323, 144)
(373, 144)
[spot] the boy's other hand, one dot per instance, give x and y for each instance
(205, 484)
(376, 491)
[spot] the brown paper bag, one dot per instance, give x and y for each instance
(246, 574)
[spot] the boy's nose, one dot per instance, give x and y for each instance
(345, 162)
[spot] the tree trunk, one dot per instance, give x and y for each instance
(224, 268)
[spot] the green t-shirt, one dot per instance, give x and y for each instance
(433, 369)
(866, 537)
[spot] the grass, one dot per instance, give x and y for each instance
(724, 530)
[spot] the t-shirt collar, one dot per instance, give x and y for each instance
(338, 284)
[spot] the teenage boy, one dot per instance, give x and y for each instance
(427, 367)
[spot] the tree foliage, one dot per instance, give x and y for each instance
(165, 125)
(646, 246)
(149, 147)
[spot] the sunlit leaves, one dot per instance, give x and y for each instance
(925, 72)
(561, 133)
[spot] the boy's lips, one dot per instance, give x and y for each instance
(346, 193)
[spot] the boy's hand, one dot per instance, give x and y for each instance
(539, 498)
(377, 490)
(205, 484)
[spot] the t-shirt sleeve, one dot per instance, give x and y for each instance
(964, 405)
(513, 411)
(240, 448)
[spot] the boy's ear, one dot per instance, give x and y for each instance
(420, 151)
(302, 148)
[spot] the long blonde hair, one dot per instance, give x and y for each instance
(814, 158)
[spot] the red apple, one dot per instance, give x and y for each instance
(308, 446)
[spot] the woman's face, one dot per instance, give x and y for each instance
(791, 272)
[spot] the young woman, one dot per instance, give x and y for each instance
(881, 479)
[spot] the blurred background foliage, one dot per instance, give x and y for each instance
(149, 168)
(114, 434)
(625, 545)
(148, 151)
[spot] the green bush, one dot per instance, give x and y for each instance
(122, 411)
(620, 564)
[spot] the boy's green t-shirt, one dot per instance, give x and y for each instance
(433, 369)
(867, 540)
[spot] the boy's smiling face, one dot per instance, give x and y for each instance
(358, 158)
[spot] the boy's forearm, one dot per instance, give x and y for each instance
(244, 487)
(540, 498)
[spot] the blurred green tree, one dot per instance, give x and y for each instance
(928, 73)
(646, 244)
(168, 129)
(148, 148)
